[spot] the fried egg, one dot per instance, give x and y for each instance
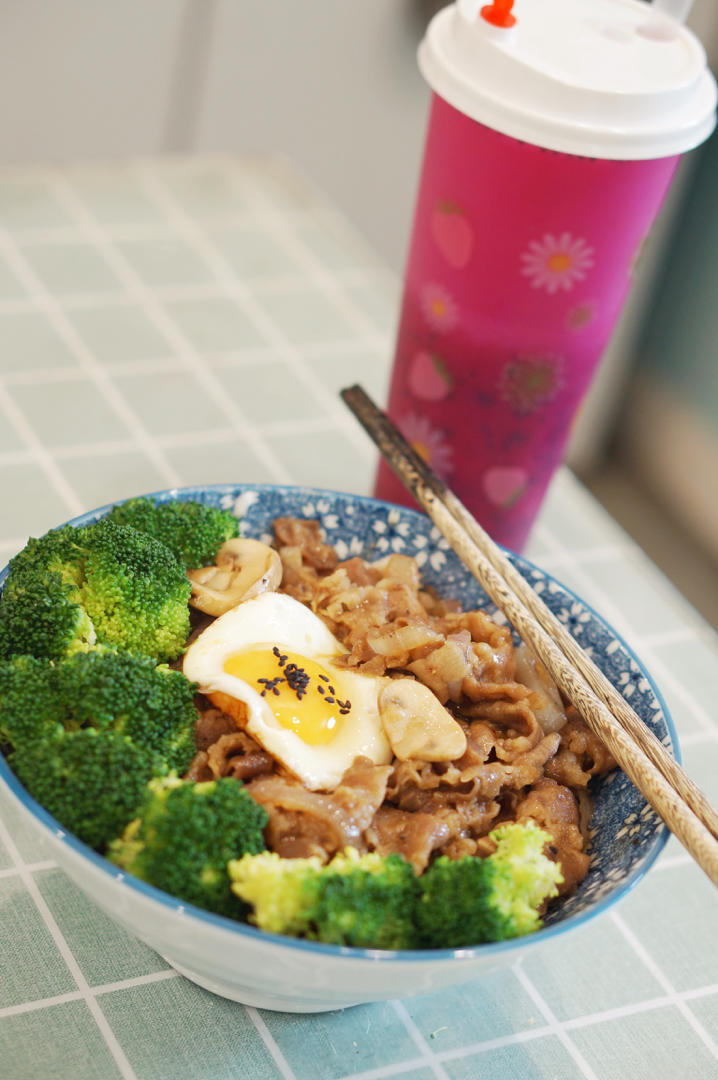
(270, 663)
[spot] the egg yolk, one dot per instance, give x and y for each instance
(300, 693)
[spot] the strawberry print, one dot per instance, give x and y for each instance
(453, 233)
(504, 485)
(429, 377)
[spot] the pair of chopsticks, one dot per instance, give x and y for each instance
(660, 779)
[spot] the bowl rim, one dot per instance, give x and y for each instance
(220, 922)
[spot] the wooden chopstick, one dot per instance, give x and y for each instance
(659, 778)
(593, 675)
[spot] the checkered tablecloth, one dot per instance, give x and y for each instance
(172, 322)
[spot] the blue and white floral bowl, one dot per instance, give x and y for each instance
(269, 971)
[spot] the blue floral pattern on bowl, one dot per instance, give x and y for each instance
(626, 833)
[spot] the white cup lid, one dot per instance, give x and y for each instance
(600, 78)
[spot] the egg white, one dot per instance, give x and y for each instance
(277, 619)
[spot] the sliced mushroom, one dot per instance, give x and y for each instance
(244, 568)
(417, 725)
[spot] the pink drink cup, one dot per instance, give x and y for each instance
(519, 264)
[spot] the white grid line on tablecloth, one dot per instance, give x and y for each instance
(73, 967)
(262, 282)
(673, 637)
(97, 236)
(613, 614)
(699, 738)
(650, 964)
(266, 212)
(66, 331)
(235, 287)
(262, 286)
(39, 453)
(96, 991)
(668, 679)
(30, 868)
(554, 1025)
(216, 436)
(670, 998)
(369, 269)
(560, 1029)
(162, 365)
(270, 1042)
(428, 1059)
(640, 643)
(385, 1072)
(674, 862)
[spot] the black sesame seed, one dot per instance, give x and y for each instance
(297, 678)
(270, 684)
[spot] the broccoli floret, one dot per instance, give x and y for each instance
(30, 706)
(127, 693)
(135, 591)
(282, 893)
(375, 901)
(361, 900)
(103, 583)
(468, 901)
(193, 531)
(41, 611)
(186, 833)
(122, 692)
(367, 901)
(91, 781)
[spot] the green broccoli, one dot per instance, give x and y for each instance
(361, 900)
(91, 781)
(193, 531)
(135, 591)
(186, 833)
(104, 583)
(375, 901)
(41, 610)
(122, 692)
(30, 708)
(468, 901)
(127, 693)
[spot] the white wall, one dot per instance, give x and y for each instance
(86, 78)
(333, 84)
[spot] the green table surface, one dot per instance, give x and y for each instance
(173, 321)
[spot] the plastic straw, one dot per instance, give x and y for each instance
(677, 9)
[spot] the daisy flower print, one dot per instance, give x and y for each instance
(429, 442)
(554, 263)
(439, 308)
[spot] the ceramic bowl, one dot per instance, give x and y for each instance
(242, 963)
